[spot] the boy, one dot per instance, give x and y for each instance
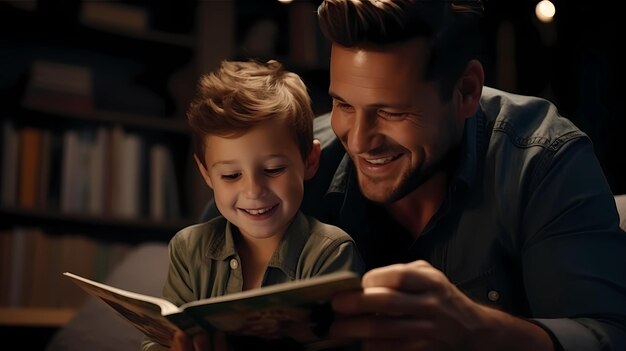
(252, 126)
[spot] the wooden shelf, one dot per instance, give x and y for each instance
(35, 317)
(128, 120)
(71, 31)
(130, 230)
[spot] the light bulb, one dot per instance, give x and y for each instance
(545, 11)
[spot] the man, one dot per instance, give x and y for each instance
(484, 216)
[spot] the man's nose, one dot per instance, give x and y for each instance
(363, 135)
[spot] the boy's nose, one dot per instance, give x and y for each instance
(254, 187)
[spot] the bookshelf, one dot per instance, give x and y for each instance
(96, 153)
(76, 77)
(36, 317)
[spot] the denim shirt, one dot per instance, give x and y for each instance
(529, 224)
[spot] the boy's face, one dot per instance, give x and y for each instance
(257, 178)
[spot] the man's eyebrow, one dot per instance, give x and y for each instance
(375, 105)
(335, 96)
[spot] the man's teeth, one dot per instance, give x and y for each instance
(259, 211)
(381, 161)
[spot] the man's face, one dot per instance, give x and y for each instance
(257, 178)
(392, 123)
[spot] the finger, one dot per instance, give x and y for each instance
(385, 301)
(220, 342)
(382, 328)
(417, 276)
(202, 342)
(399, 345)
(181, 342)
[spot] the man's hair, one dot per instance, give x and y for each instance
(451, 29)
(243, 94)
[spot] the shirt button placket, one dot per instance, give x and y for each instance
(493, 296)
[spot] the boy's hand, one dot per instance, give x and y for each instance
(201, 342)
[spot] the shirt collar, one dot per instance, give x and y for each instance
(472, 144)
(288, 252)
(223, 247)
(286, 255)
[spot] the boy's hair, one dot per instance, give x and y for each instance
(243, 94)
(451, 29)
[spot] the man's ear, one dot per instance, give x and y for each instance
(203, 171)
(312, 162)
(469, 88)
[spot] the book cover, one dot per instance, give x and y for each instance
(114, 15)
(29, 167)
(10, 164)
(158, 169)
(59, 87)
(298, 310)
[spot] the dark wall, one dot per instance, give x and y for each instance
(573, 61)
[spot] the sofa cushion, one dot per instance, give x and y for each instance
(96, 327)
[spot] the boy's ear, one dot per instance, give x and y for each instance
(312, 162)
(203, 171)
(469, 88)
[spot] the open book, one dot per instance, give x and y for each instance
(297, 310)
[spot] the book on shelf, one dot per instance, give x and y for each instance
(10, 164)
(129, 180)
(59, 87)
(30, 157)
(114, 15)
(159, 155)
(298, 310)
(73, 173)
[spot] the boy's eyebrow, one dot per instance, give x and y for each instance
(227, 162)
(232, 162)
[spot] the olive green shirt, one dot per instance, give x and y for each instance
(204, 262)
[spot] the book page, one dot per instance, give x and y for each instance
(299, 309)
(142, 311)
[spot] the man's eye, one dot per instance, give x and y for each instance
(231, 176)
(343, 106)
(275, 171)
(391, 115)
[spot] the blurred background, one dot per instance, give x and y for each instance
(96, 155)
(142, 58)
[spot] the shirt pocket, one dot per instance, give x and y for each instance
(497, 288)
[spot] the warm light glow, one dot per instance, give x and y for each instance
(545, 11)
(285, 1)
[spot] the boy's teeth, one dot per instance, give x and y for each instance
(259, 211)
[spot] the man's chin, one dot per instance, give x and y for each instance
(376, 191)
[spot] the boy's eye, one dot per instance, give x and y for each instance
(275, 170)
(231, 176)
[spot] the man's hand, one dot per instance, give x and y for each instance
(415, 307)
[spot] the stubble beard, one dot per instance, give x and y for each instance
(408, 182)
